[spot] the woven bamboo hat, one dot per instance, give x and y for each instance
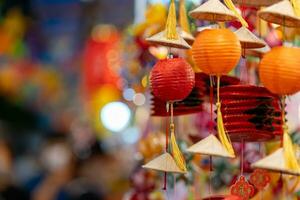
(213, 10)
(188, 37)
(170, 37)
(161, 39)
(256, 3)
(258, 52)
(275, 162)
(281, 13)
(248, 39)
(164, 163)
(210, 146)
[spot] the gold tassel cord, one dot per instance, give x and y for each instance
(171, 23)
(288, 148)
(177, 155)
(225, 140)
(183, 19)
(289, 153)
(296, 6)
(232, 7)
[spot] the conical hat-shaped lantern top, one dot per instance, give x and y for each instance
(164, 163)
(258, 52)
(170, 37)
(248, 39)
(210, 146)
(282, 13)
(184, 29)
(275, 162)
(213, 10)
(255, 3)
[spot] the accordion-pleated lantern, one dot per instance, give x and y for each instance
(251, 113)
(279, 70)
(216, 51)
(172, 79)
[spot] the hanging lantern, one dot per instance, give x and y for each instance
(285, 13)
(251, 113)
(191, 104)
(248, 39)
(255, 3)
(279, 70)
(216, 51)
(213, 10)
(172, 79)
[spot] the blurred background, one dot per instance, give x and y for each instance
(74, 103)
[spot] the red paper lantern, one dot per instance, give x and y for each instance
(216, 51)
(279, 70)
(172, 79)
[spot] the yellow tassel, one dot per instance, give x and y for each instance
(232, 7)
(225, 140)
(183, 19)
(178, 157)
(171, 32)
(222, 24)
(289, 153)
(296, 6)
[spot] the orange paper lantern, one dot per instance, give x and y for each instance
(216, 51)
(279, 70)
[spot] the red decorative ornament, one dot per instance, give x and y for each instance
(251, 113)
(191, 104)
(172, 79)
(221, 197)
(242, 189)
(260, 178)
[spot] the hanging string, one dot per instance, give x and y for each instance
(232, 7)
(283, 31)
(242, 157)
(225, 140)
(289, 153)
(166, 149)
(211, 97)
(171, 32)
(178, 157)
(167, 134)
(210, 175)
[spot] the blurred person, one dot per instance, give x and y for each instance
(62, 178)
(8, 189)
(58, 163)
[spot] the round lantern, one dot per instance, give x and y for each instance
(172, 79)
(216, 51)
(279, 70)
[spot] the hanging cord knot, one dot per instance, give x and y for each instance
(172, 127)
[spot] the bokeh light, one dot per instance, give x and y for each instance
(115, 116)
(131, 135)
(139, 99)
(128, 94)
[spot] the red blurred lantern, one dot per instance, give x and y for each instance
(279, 70)
(172, 79)
(216, 51)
